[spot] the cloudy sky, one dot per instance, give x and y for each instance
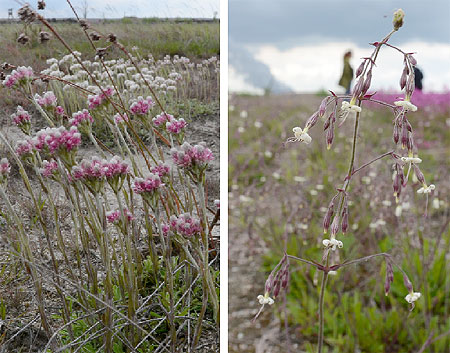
(298, 45)
(120, 8)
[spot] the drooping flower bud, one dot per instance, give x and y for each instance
(344, 224)
(328, 216)
(396, 134)
(312, 120)
(404, 77)
(419, 174)
(335, 226)
(389, 277)
(330, 136)
(323, 106)
(367, 82)
(404, 136)
(407, 283)
(360, 69)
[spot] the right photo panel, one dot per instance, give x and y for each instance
(339, 150)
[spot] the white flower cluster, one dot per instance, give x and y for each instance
(426, 189)
(265, 299)
(332, 244)
(302, 135)
(406, 105)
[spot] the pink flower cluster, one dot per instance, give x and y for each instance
(48, 100)
(142, 106)
(89, 169)
(120, 118)
(99, 99)
(48, 168)
(114, 216)
(5, 168)
(19, 77)
(23, 148)
(53, 140)
(116, 167)
(161, 169)
(192, 156)
(161, 119)
(59, 110)
(81, 118)
(185, 225)
(148, 185)
(21, 117)
(175, 126)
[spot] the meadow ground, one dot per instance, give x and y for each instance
(190, 51)
(277, 191)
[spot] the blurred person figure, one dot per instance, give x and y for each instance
(347, 73)
(418, 76)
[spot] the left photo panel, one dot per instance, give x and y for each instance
(109, 176)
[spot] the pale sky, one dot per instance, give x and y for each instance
(120, 8)
(298, 45)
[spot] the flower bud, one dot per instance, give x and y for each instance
(360, 69)
(389, 277)
(404, 136)
(396, 134)
(367, 82)
(323, 106)
(419, 174)
(335, 226)
(312, 120)
(407, 283)
(328, 216)
(408, 125)
(398, 19)
(410, 143)
(403, 77)
(410, 85)
(329, 120)
(412, 60)
(397, 184)
(344, 225)
(330, 136)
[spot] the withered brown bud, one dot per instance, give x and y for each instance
(6, 66)
(101, 52)
(112, 38)
(2, 76)
(84, 24)
(26, 14)
(41, 5)
(23, 38)
(95, 37)
(44, 36)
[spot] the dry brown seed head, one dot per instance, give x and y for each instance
(95, 36)
(84, 24)
(44, 36)
(41, 5)
(101, 52)
(112, 38)
(26, 14)
(23, 38)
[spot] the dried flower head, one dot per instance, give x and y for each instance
(23, 39)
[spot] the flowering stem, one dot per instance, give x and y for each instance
(373, 160)
(321, 320)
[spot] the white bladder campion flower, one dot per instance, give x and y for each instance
(407, 105)
(265, 299)
(348, 107)
(301, 135)
(415, 160)
(412, 297)
(332, 244)
(426, 189)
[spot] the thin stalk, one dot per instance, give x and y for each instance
(321, 318)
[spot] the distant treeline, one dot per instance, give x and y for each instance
(125, 20)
